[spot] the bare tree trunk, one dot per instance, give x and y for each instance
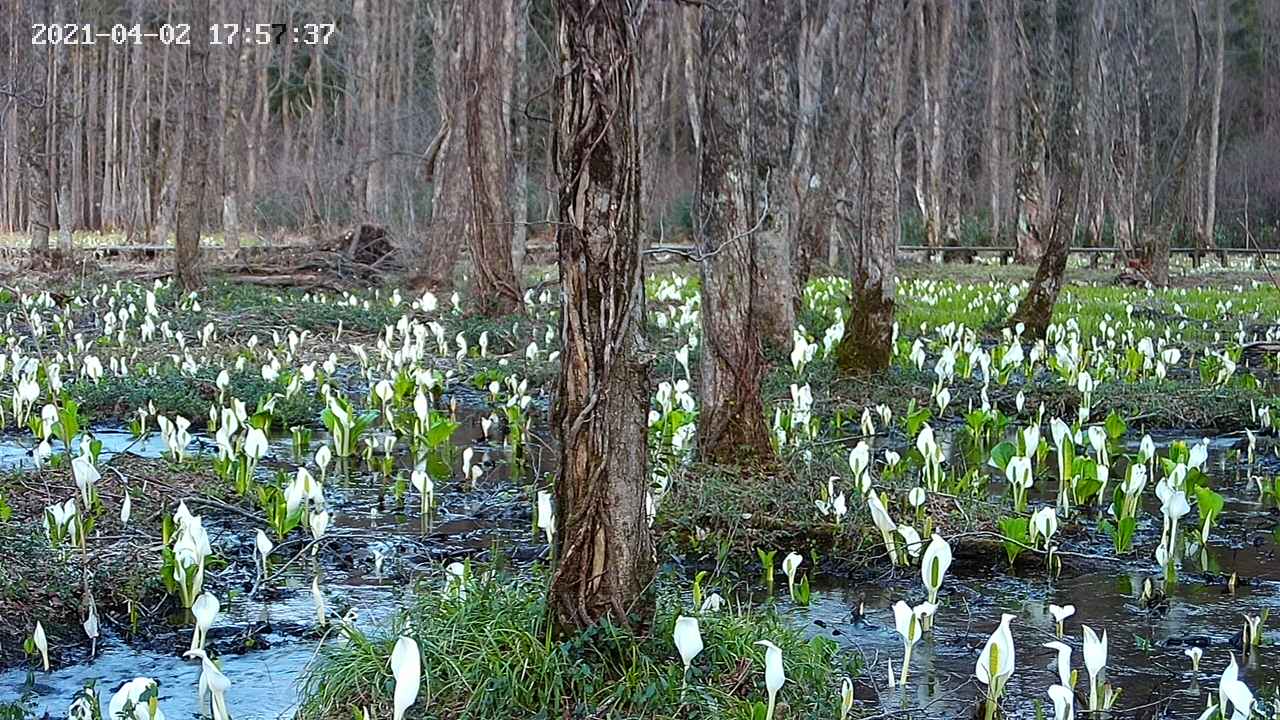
(997, 19)
(691, 17)
(446, 161)
(767, 157)
(730, 215)
(36, 158)
(195, 161)
(1037, 100)
(1035, 311)
(811, 228)
(234, 132)
(518, 124)
(868, 340)
(603, 545)
(66, 128)
(1210, 241)
(934, 29)
(496, 289)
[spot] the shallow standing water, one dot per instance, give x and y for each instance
(1146, 647)
(489, 514)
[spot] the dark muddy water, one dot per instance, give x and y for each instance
(488, 515)
(1146, 646)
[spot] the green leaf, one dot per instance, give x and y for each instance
(1001, 455)
(1115, 426)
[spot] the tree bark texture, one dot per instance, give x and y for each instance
(1035, 311)
(732, 210)
(495, 289)
(868, 340)
(195, 161)
(603, 546)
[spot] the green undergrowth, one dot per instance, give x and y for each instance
(173, 392)
(490, 656)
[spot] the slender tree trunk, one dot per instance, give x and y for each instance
(1209, 241)
(1035, 311)
(446, 161)
(1038, 54)
(36, 158)
(768, 157)
(195, 161)
(603, 544)
(868, 340)
(811, 228)
(496, 289)
(731, 213)
(66, 128)
(518, 124)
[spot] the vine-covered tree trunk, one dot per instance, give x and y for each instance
(868, 340)
(496, 289)
(731, 425)
(603, 545)
(195, 160)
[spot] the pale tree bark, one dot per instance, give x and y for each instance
(732, 209)
(35, 111)
(1038, 56)
(691, 25)
(237, 69)
(934, 31)
(768, 157)
(655, 81)
(65, 129)
(811, 228)
(445, 162)
(1035, 311)
(603, 544)
(868, 340)
(195, 161)
(495, 290)
(997, 21)
(1209, 239)
(518, 130)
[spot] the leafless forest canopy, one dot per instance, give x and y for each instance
(434, 119)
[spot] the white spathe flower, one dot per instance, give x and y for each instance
(995, 664)
(1063, 660)
(688, 640)
(205, 609)
(1064, 702)
(130, 693)
(406, 668)
(41, 641)
(790, 564)
(1095, 661)
(774, 675)
(937, 560)
(546, 515)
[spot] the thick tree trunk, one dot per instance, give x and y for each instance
(603, 544)
(195, 160)
(868, 340)
(496, 290)
(731, 214)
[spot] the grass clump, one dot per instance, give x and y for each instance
(490, 655)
